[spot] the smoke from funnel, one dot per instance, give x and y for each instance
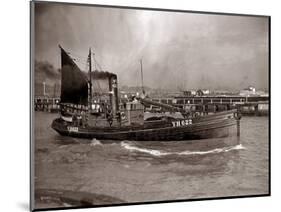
(102, 75)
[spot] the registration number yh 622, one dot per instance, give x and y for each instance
(182, 123)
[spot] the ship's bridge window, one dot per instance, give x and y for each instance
(95, 106)
(134, 106)
(128, 106)
(139, 106)
(131, 106)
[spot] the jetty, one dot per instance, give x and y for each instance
(253, 105)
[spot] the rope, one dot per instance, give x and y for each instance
(80, 60)
(96, 63)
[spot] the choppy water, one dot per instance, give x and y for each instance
(106, 172)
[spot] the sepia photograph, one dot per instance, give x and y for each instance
(141, 105)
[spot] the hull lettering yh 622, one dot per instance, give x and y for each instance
(182, 123)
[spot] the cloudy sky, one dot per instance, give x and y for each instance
(178, 50)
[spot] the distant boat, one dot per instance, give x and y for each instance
(83, 115)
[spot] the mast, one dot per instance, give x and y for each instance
(143, 92)
(90, 78)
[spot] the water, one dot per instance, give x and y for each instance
(107, 172)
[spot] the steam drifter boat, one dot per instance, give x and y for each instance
(84, 114)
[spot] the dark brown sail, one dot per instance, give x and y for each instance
(74, 85)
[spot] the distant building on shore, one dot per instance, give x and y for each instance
(189, 93)
(251, 91)
(202, 92)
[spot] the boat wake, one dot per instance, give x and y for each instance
(159, 153)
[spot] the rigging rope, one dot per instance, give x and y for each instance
(80, 60)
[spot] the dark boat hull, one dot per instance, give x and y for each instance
(211, 126)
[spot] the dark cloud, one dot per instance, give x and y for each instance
(186, 49)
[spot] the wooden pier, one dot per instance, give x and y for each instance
(47, 104)
(255, 105)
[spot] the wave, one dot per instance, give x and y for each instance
(144, 150)
(95, 142)
(159, 153)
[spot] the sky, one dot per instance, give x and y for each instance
(178, 50)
